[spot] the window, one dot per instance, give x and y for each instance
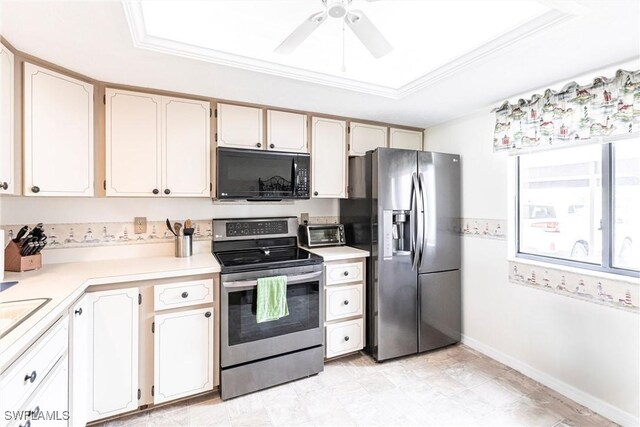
(580, 206)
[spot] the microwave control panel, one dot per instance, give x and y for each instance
(256, 228)
(302, 181)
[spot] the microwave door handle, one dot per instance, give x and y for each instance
(294, 180)
(291, 280)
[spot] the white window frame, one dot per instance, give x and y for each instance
(606, 266)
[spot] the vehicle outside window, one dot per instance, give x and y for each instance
(560, 204)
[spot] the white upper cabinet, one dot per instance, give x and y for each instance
(240, 127)
(403, 138)
(133, 143)
(58, 134)
(157, 146)
(183, 354)
(287, 131)
(186, 147)
(329, 158)
(7, 135)
(113, 347)
(364, 137)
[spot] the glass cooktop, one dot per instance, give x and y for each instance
(254, 259)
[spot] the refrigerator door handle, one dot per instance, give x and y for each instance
(423, 205)
(415, 232)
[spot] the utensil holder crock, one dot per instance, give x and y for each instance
(184, 246)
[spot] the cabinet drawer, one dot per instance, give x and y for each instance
(344, 273)
(344, 337)
(23, 378)
(183, 294)
(343, 301)
(51, 396)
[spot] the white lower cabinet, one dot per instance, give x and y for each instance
(78, 363)
(344, 294)
(49, 405)
(112, 352)
(183, 354)
(344, 337)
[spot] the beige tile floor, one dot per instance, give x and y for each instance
(455, 386)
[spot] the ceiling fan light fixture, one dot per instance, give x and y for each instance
(337, 8)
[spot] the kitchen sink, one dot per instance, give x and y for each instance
(13, 313)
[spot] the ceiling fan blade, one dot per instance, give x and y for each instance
(368, 34)
(301, 33)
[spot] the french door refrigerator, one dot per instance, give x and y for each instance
(404, 208)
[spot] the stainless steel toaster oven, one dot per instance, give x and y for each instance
(315, 235)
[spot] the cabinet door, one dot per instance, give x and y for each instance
(58, 134)
(113, 352)
(7, 140)
(186, 154)
(183, 354)
(78, 361)
(287, 132)
(364, 137)
(407, 139)
(240, 127)
(52, 396)
(329, 158)
(133, 143)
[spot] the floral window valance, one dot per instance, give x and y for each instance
(607, 107)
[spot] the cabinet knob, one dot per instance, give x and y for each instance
(155, 191)
(346, 338)
(207, 314)
(27, 424)
(258, 145)
(272, 146)
(346, 273)
(4, 185)
(167, 191)
(79, 311)
(30, 377)
(185, 294)
(346, 302)
(35, 412)
(35, 189)
(315, 193)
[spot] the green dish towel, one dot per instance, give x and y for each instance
(272, 299)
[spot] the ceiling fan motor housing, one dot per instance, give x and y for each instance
(337, 8)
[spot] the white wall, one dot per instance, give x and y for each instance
(57, 210)
(587, 351)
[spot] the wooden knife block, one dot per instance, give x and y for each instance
(13, 261)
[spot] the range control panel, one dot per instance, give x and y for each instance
(256, 228)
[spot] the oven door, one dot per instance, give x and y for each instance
(244, 340)
(328, 235)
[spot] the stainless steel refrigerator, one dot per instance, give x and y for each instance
(404, 207)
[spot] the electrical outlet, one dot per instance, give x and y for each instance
(140, 224)
(304, 218)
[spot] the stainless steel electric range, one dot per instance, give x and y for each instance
(255, 355)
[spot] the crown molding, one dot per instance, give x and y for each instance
(142, 40)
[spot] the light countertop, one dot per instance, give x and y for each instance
(338, 253)
(64, 283)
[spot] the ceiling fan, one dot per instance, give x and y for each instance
(355, 19)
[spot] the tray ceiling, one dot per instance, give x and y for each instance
(431, 39)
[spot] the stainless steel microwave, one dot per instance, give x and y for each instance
(316, 235)
(262, 175)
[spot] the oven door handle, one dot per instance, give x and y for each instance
(290, 280)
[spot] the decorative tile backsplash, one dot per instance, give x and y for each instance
(121, 233)
(613, 293)
(484, 228)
